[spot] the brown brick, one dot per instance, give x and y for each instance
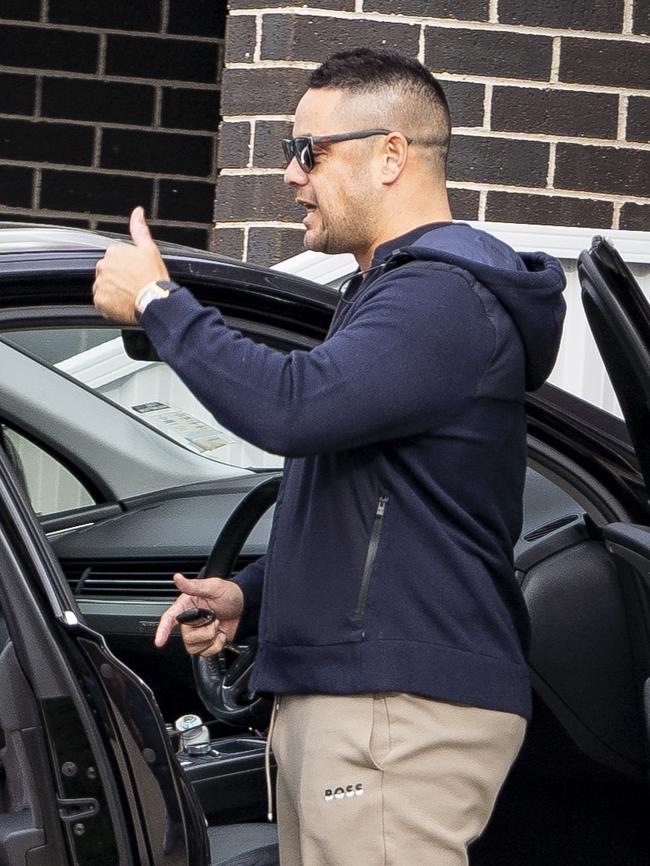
(17, 93)
(118, 14)
(88, 99)
(555, 112)
(233, 144)
(262, 91)
(635, 217)
(268, 246)
(465, 102)
(638, 119)
(255, 197)
(267, 152)
(47, 48)
(15, 186)
(510, 207)
(299, 37)
(198, 238)
(186, 201)
(461, 10)
(604, 61)
(484, 52)
(603, 169)
(21, 10)
(343, 5)
(173, 59)
(27, 141)
(228, 242)
(464, 203)
(94, 192)
(189, 108)
(641, 17)
(240, 38)
(197, 17)
(599, 15)
(498, 160)
(157, 152)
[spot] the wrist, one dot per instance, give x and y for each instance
(153, 291)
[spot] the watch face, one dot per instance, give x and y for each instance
(169, 285)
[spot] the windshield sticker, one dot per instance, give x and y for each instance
(183, 427)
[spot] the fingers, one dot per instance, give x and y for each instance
(139, 229)
(200, 588)
(207, 640)
(168, 619)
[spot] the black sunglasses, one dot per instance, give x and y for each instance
(302, 146)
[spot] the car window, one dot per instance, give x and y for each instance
(148, 390)
(50, 486)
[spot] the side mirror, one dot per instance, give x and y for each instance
(138, 346)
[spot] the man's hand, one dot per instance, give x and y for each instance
(224, 597)
(125, 270)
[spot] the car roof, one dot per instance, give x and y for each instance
(17, 237)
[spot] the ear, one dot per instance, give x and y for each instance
(394, 157)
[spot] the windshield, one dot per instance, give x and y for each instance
(148, 390)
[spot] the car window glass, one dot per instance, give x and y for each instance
(50, 486)
(149, 390)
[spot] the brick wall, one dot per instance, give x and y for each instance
(105, 104)
(550, 105)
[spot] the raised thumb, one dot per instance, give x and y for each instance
(139, 229)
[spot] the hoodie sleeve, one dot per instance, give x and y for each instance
(413, 349)
(251, 582)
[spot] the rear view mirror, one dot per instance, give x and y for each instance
(138, 346)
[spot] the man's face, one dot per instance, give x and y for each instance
(338, 193)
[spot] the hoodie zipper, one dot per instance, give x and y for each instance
(371, 555)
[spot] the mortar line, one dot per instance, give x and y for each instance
(97, 146)
(164, 16)
(487, 107)
(482, 204)
(550, 174)
(257, 51)
(623, 104)
(38, 98)
(251, 142)
(555, 60)
(616, 214)
(628, 17)
(101, 55)
(421, 45)
(493, 12)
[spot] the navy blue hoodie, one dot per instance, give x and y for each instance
(390, 561)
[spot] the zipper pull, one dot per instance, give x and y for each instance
(381, 507)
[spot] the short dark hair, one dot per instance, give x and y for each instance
(419, 100)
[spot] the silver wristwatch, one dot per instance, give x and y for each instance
(154, 291)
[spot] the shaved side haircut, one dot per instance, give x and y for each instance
(399, 90)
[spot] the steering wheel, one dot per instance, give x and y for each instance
(224, 689)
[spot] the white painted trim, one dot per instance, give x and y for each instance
(568, 243)
(565, 243)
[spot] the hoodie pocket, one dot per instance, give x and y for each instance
(371, 555)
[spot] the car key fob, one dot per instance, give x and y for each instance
(196, 616)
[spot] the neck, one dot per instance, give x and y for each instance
(400, 222)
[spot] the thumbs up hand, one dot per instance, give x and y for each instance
(125, 270)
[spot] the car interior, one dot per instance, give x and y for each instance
(133, 481)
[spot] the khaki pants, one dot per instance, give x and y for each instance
(386, 779)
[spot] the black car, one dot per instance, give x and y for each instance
(113, 477)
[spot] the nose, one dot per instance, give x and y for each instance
(294, 175)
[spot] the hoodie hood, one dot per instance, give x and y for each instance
(529, 286)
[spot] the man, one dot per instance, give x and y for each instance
(387, 602)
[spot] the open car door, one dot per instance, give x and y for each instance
(87, 772)
(619, 318)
